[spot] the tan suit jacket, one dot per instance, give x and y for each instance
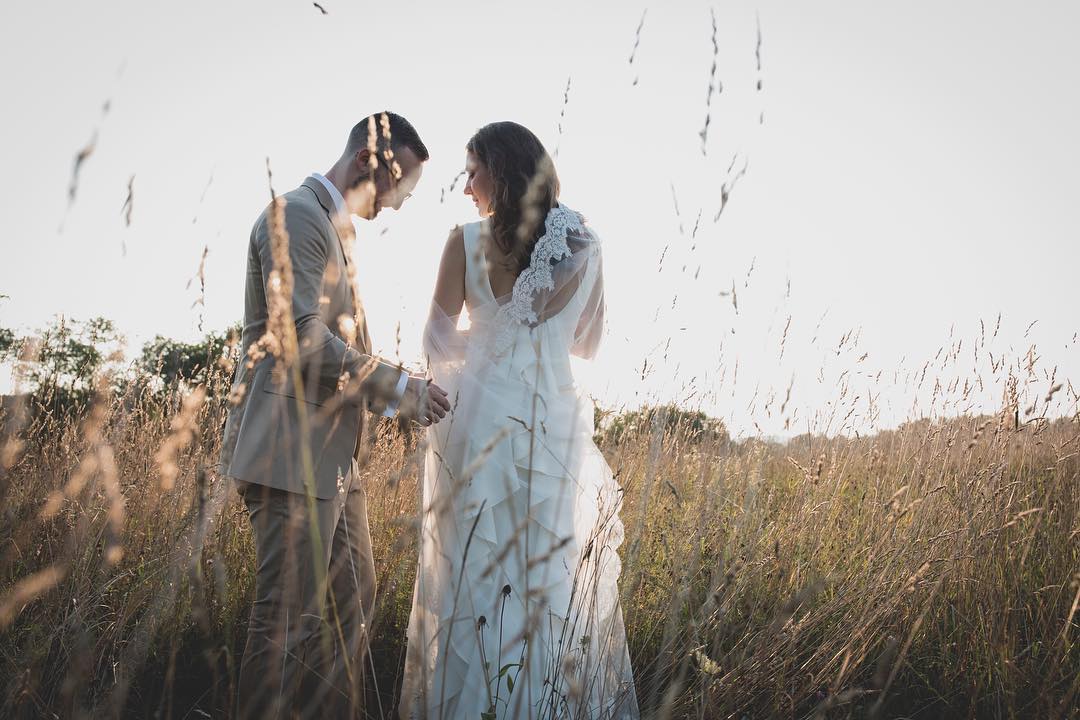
(262, 440)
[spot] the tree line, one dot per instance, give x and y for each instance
(62, 366)
(67, 360)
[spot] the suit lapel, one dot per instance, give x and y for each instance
(342, 226)
(346, 234)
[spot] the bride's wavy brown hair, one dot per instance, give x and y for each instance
(525, 187)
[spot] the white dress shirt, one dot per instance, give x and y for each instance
(342, 213)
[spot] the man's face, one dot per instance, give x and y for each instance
(394, 183)
(389, 185)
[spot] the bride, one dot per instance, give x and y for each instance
(516, 608)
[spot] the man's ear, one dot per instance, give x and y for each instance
(363, 162)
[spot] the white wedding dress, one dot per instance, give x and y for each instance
(516, 608)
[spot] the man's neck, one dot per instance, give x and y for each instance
(337, 179)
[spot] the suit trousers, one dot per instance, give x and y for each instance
(307, 640)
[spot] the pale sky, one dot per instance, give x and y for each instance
(916, 172)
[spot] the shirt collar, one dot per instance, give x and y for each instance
(335, 195)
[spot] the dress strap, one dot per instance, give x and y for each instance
(477, 287)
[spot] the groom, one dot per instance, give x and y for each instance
(294, 450)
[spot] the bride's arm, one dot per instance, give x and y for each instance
(443, 342)
(450, 282)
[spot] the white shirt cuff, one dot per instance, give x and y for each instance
(392, 406)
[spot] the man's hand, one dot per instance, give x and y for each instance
(423, 401)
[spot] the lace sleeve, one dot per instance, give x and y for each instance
(565, 257)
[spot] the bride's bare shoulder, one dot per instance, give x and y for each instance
(456, 238)
(450, 282)
(453, 257)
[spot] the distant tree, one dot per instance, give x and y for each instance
(76, 350)
(8, 345)
(69, 358)
(692, 425)
(176, 362)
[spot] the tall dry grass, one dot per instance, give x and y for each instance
(928, 571)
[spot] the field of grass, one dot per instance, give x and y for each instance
(928, 571)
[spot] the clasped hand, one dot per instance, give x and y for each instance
(423, 401)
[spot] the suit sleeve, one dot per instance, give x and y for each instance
(323, 355)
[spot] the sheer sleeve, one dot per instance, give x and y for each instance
(577, 290)
(590, 327)
(443, 341)
(562, 284)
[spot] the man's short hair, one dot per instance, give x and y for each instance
(402, 134)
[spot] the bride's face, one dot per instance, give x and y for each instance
(478, 184)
